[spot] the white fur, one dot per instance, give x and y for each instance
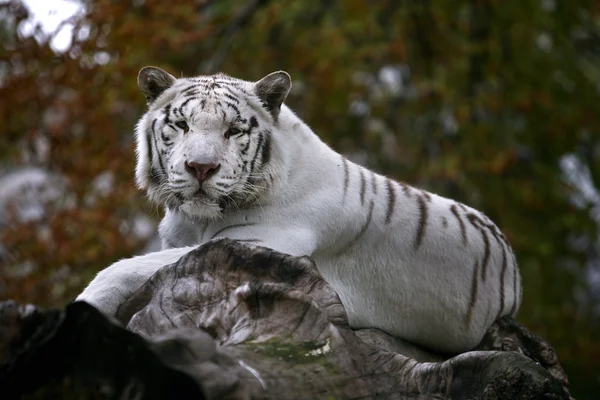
(387, 278)
(113, 285)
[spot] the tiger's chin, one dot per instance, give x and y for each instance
(201, 209)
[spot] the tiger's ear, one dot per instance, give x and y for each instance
(273, 90)
(153, 81)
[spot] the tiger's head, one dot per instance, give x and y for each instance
(205, 144)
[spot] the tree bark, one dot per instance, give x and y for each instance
(232, 321)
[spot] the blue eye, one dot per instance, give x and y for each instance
(183, 126)
(232, 132)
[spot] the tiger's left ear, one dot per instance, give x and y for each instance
(273, 90)
(153, 81)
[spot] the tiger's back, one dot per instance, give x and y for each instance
(438, 262)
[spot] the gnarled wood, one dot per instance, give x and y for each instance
(270, 327)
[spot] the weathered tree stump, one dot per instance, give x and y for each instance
(232, 321)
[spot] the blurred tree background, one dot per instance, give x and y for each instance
(495, 103)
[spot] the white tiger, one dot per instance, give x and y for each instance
(228, 159)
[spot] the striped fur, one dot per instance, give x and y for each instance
(210, 106)
(414, 264)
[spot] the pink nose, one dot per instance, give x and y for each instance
(201, 171)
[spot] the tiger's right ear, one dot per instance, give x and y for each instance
(153, 81)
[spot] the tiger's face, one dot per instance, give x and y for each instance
(205, 144)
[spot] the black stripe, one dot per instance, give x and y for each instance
(374, 182)
(185, 103)
(187, 89)
(167, 111)
(486, 254)
(502, 273)
(474, 285)
(426, 195)
(160, 161)
(501, 241)
(230, 227)
(214, 84)
(362, 230)
(149, 142)
(423, 214)
(224, 78)
(363, 186)
(405, 189)
(461, 223)
(478, 224)
(193, 93)
(346, 177)
(253, 123)
(513, 309)
(234, 108)
(391, 201)
(503, 247)
(518, 300)
(257, 151)
(232, 97)
(497, 233)
(265, 156)
(444, 222)
(223, 184)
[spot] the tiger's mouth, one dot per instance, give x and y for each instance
(201, 196)
(204, 199)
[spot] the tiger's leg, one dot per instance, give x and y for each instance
(113, 285)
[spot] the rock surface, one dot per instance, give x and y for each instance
(232, 321)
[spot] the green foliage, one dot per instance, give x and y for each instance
(493, 95)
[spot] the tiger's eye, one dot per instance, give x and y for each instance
(183, 126)
(232, 132)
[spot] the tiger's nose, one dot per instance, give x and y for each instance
(201, 171)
